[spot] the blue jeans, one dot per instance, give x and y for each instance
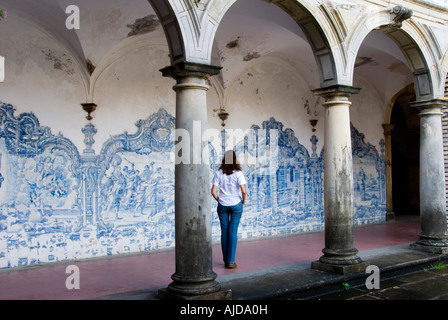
(229, 217)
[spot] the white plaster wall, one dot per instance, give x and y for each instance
(367, 112)
(266, 89)
(42, 78)
(130, 89)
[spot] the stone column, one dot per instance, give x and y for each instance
(194, 277)
(390, 215)
(433, 237)
(340, 254)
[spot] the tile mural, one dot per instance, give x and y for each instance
(58, 204)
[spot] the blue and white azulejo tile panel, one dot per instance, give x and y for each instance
(58, 204)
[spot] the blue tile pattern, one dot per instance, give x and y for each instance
(58, 204)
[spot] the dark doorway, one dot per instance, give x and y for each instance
(405, 157)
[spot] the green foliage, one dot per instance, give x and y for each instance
(439, 266)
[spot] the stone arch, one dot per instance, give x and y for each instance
(319, 35)
(444, 62)
(170, 21)
(388, 113)
(190, 30)
(419, 51)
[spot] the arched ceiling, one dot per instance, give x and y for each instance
(105, 28)
(103, 24)
(254, 29)
(250, 30)
(382, 64)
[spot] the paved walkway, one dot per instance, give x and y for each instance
(119, 275)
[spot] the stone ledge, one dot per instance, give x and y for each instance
(165, 294)
(430, 249)
(299, 282)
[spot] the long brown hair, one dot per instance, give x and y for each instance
(230, 163)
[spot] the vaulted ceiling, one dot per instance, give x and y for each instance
(250, 30)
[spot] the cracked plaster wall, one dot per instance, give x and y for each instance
(132, 87)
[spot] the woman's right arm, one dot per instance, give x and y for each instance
(243, 192)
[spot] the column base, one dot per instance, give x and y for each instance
(431, 246)
(390, 216)
(340, 268)
(340, 261)
(166, 294)
(194, 286)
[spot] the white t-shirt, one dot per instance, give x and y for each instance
(229, 187)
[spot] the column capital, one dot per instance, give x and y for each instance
(336, 90)
(434, 103)
(430, 107)
(388, 127)
(189, 69)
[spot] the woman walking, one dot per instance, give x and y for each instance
(232, 195)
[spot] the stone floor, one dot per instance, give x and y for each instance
(262, 263)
